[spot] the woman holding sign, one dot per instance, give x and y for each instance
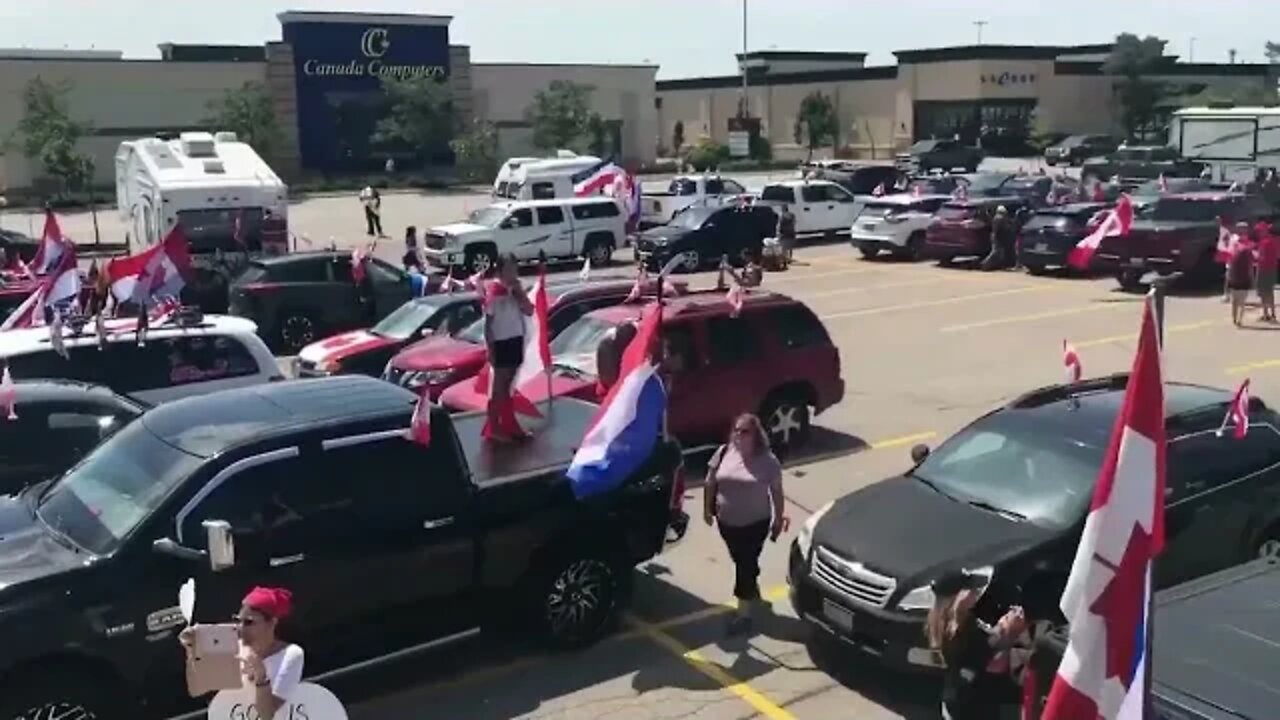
(269, 665)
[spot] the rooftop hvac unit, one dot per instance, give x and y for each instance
(198, 145)
(225, 136)
(215, 167)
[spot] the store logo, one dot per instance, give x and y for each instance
(374, 42)
(1007, 78)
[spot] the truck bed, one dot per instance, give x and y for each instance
(551, 447)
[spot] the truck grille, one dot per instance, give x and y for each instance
(851, 579)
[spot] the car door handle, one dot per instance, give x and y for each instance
(287, 560)
(806, 209)
(437, 523)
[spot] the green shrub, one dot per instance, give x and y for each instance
(707, 155)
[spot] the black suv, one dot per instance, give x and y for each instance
(1075, 149)
(927, 155)
(1006, 499)
(299, 298)
(702, 235)
(58, 422)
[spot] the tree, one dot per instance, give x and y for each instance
(562, 117)
(677, 138)
(1133, 60)
(817, 124)
(477, 148)
(1272, 52)
(419, 115)
(49, 136)
(248, 112)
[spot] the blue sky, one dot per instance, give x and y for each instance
(685, 37)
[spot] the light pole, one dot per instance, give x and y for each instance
(980, 24)
(744, 106)
(1191, 50)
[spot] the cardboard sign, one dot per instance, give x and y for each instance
(310, 702)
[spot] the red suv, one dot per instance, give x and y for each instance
(962, 228)
(431, 365)
(775, 359)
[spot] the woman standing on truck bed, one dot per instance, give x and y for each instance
(505, 307)
(743, 495)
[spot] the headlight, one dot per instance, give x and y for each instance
(922, 598)
(423, 378)
(804, 540)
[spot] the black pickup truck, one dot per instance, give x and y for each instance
(1145, 162)
(387, 545)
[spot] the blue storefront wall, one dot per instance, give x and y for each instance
(339, 67)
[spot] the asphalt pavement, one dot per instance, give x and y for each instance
(924, 350)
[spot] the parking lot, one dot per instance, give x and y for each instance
(924, 350)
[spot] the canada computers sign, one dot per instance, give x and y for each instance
(341, 61)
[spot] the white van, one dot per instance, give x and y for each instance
(540, 179)
(561, 229)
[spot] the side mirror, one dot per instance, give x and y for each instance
(919, 453)
(221, 544)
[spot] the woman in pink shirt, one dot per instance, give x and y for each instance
(1268, 255)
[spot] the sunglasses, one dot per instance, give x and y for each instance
(742, 431)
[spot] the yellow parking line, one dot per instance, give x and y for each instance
(903, 440)
(1186, 327)
(935, 303)
(772, 595)
(695, 660)
(1263, 365)
(802, 277)
(1029, 318)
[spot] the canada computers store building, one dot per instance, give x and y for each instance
(324, 79)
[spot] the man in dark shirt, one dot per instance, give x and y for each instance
(787, 233)
(1001, 241)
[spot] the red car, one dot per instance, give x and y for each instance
(433, 364)
(775, 359)
(962, 228)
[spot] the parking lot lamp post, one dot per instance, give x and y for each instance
(745, 105)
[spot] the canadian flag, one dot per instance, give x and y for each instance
(1237, 413)
(357, 265)
(1116, 224)
(420, 425)
(637, 290)
(29, 314)
(878, 191)
(158, 271)
(52, 245)
(735, 296)
(1227, 241)
(961, 192)
(1071, 362)
(63, 281)
(8, 395)
(1163, 183)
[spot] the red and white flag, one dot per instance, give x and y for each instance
(357, 265)
(1163, 183)
(1116, 224)
(585, 273)
(1237, 413)
(1107, 598)
(916, 190)
(1227, 241)
(735, 296)
(1071, 362)
(8, 395)
(62, 284)
(878, 191)
(158, 271)
(637, 290)
(420, 425)
(52, 245)
(29, 314)
(961, 192)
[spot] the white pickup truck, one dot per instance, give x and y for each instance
(684, 191)
(820, 206)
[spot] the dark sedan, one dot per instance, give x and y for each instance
(1075, 149)
(702, 235)
(1048, 237)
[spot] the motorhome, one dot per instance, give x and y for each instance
(540, 178)
(1233, 141)
(228, 201)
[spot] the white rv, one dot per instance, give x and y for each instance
(540, 178)
(1234, 141)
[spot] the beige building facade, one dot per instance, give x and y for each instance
(323, 76)
(928, 93)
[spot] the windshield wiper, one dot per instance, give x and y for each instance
(983, 505)
(932, 486)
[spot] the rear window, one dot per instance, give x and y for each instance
(1183, 210)
(591, 211)
(778, 193)
(308, 270)
(683, 186)
(1056, 222)
(796, 327)
(203, 358)
(252, 273)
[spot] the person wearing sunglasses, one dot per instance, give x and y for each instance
(270, 666)
(743, 497)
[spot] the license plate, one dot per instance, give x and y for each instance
(1041, 247)
(1136, 262)
(838, 616)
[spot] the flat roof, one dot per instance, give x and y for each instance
(320, 16)
(997, 52)
(886, 72)
(802, 55)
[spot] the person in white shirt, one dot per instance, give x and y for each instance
(506, 306)
(372, 201)
(270, 666)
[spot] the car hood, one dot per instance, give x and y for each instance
(343, 346)
(27, 549)
(904, 529)
(462, 228)
(439, 353)
(665, 234)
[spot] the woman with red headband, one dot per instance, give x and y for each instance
(271, 666)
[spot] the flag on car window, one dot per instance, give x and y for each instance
(1107, 598)
(1237, 413)
(8, 395)
(420, 425)
(158, 271)
(1116, 224)
(1071, 362)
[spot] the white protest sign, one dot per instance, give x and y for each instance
(309, 702)
(187, 600)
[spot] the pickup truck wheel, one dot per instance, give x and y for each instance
(579, 601)
(297, 330)
(600, 253)
(786, 420)
(480, 259)
(59, 697)
(692, 261)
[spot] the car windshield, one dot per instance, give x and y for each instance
(407, 319)
(923, 146)
(488, 217)
(1073, 141)
(1017, 469)
(100, 501)
(778, 193)
(576, 346)
(692, 218)
(987, 183)
(1026, 185)
(683, 186)
(1182, 210)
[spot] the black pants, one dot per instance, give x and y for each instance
(374, 221)
(745, 544)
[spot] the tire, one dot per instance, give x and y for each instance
(692, 261)
(599, 251)
(578, 599)
(55, 695)
(480, 259)
(869, 251)
(1268, 547)
(786, 419)
(1130, 280)
(295, 330)
(915, 245)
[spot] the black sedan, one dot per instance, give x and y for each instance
(701, 235)
(57, 422)
(1005, 499)
(1050, 234)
